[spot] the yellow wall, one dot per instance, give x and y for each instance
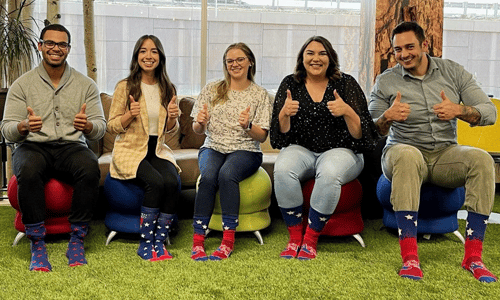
(484, 137)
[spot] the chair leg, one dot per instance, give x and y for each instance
(110, 237)
(19, 236)
(359, 239)
(259, 237)
(459, 235)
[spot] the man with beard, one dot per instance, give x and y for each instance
(417, 103)
(49, 113)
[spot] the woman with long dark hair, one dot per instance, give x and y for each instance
(234, 113)
(144, 115)
(322, 125)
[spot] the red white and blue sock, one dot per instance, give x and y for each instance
(76, 252)
(229, 224)
(200, 225)
(161, 234)
(146, 248)
(317, 222)
(293, 219)
(39, 258)
(407, 230)
(472, 262)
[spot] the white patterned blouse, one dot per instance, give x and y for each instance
(224, 133)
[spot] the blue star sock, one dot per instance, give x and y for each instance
(147, 229)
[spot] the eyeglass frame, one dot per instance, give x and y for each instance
(59, 44)
(230, 62)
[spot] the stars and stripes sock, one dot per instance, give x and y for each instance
(200, 225)
(316, 224)
(292, 248)
(161, 234)
(292, 216)
(76, 252)
(147, 229)
(407, 230)
(226, 247)
(317, 220)
(475, 229)
(198, 251)
(293, 219)
(39, 258)
(229, 224)
(308, 248)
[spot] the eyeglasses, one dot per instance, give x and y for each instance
(239, 61)
(51, 44)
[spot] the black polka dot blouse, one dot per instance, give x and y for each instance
(314, 127)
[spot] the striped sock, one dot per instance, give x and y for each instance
(407, 229)
(475, 229)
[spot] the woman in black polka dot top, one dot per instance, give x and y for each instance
(322, 125)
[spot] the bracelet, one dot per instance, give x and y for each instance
(249, 127)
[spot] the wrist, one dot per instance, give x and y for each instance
(249, 127)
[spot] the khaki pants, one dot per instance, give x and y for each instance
(407, 167)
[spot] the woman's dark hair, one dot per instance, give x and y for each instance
(167, 89)
(332, 72)
(409, 26)
(55, 27)
(222, 88)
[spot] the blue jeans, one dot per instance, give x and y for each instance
(224, 172)
(330, 169)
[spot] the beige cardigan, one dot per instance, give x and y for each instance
(131, 143)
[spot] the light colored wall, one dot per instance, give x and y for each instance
(475, 44)
(274, 37)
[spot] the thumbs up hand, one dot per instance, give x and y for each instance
(173, 108)
(80, 122)
(398, 111)
(134, 107)
(244, 119)
(203, 117)
(446, 110)
(34, 122)
(291, 107)
(337, 107)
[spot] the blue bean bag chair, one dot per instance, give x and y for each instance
(438, 207)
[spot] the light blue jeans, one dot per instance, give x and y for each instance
(330, 169)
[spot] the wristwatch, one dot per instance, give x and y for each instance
(249, 127)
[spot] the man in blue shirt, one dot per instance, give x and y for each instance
(417, 104)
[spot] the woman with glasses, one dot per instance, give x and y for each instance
(321, 124)
(234, 113)
(144, 115)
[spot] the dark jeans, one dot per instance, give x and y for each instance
(160, 180)
(35, 163)
(223, 172)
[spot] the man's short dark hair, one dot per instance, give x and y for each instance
(409, 26)
(55, 27)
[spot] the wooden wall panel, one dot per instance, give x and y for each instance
(427, 13)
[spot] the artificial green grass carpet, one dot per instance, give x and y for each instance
(342, 270)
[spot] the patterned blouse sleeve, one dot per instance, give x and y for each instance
(203, 98)
(263, 111)
(369, 139)
(279, 139)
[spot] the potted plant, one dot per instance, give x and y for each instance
(18, 54)
(18, 44)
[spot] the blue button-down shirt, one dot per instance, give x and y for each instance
(422, 127)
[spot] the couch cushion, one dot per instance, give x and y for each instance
(189, 139)
(108, 141)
